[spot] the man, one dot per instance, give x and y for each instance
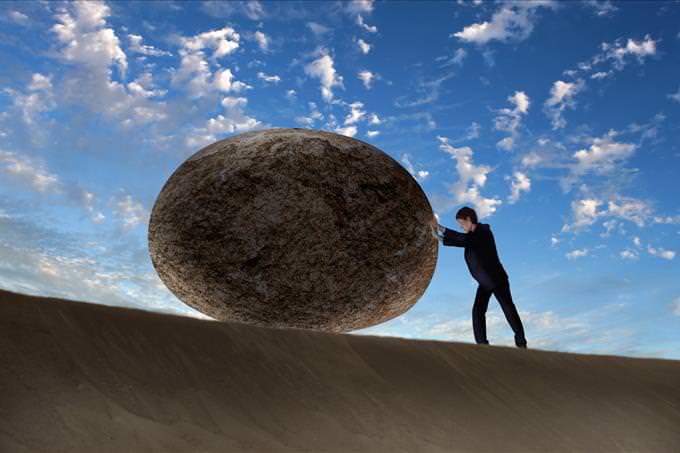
(482, 261)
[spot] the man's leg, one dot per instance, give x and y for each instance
(502, 294)
(479, 315)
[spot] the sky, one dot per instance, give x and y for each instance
(558, 122)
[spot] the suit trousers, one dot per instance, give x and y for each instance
(504, 298)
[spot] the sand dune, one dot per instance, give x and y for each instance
(83, 377)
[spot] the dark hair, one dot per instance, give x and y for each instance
(467, 212)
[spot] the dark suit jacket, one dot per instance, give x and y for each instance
(480, 254)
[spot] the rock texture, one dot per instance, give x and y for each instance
(294, 228)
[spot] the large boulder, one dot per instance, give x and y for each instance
(294, 228)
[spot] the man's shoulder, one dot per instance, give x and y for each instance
(483, 227)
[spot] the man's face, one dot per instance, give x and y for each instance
(465, 224)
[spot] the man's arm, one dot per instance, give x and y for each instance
(454, 238)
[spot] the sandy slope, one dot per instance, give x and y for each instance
(82, 377)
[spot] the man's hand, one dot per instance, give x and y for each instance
(438, 233)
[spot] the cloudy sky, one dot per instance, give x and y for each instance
(557, 122)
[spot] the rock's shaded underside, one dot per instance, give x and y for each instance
(294, 228)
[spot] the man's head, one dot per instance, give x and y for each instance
(467, 218)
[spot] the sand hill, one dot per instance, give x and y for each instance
(77, 376)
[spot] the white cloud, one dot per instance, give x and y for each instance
(262, 40)
(34, 174)
(130, 211)
(356, 114)
(268, 78)
(18, 18)
(471, 178)
(509, 120)
(136, 46)
(576, 253)
(554, 241)
(255, 62)
(617, 53)
(224, 81)
(87, 42)
(416, 122)
(609, 227)
(602, 8)
(28, 171)
(511, 22)
(349, 131)
(223, 42)
(520, 183)
(362, 24)
(604, 156)
(94, 49)
(628, 254)
(562, 96)
(472, 131)
(675, 96)
(429, 89)
(358, 6)
(314, 111)
(372, 134)
(85, 199)
(314, 115)
(639, 49)
(234, 120)
(666, 219)
(661, 253)
(676, 307)
(506, 143)
(419, 175)
(142, 115)
(648, 130)
(367, 78)
(98, 218)
(374, 119)
(363, 46)
(488, 58)
(601, 75)
(304, 121)
(631, 209)
(459, 56)
(560, 91)
(88, 268)
(38, 99)
(252, 9)
(584, 212)
(322, 68)
(636, 241)
(531, 159)
(201, 81)
(195, 70)
(143, 86)
(318, 29)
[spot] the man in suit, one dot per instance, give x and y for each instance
(482, 261)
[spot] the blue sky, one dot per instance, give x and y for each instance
(557, 121)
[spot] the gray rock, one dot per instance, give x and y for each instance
(294, 228)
